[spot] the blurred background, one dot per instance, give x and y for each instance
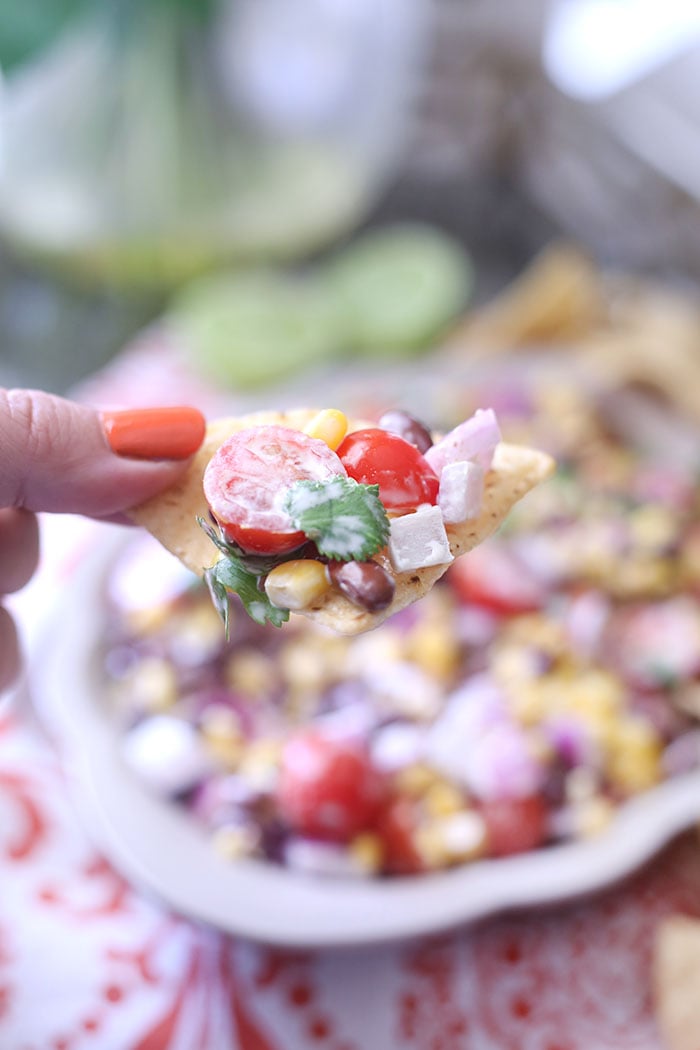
(244, 178)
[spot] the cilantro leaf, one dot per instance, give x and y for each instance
(345, 519)
(237, 573)
(228, 575)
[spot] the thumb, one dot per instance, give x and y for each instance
(57, 455)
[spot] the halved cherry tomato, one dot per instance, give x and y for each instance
(328, 788)
(490, 576)
(247, 475)
(404, 476)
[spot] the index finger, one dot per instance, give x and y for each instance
(55, 456)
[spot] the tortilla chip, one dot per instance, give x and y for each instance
(677, 982)
(171, 518)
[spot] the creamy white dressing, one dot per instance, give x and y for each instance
(346, 535)
(307, 498)
(257, 610)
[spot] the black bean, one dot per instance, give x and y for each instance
(365, 583)
(410, 429)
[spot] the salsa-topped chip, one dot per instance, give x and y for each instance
(344, 522)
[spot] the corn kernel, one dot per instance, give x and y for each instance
(296, 584)
(593, 816)
(529, 702)
(149, 619)
(601, 727)
(642, 576)
(330, 425)
(435, 650)
(300, 667)
(634, 763)
(512, 664)
(442, 799)
(653, 526)
(596, 694)
(457, 837)
(581, 785)
(414, 780)
(199, 632)
(431, 847)
(264, 751)
(221, 732)
(233, 842)
(368, 851)
(153, 684)
(260, 763)
(251, 673)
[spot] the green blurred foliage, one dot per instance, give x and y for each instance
(27, 26)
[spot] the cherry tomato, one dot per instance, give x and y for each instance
(404, 476)
(490, 576)
(245, 477)
(328, 788)
(396, 827)
(514, 825)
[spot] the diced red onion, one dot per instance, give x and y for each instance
(475, 440)
(586, 619)
(571, 741)
(683, 754)
(503, 765)
(470, 712)
(352, 721)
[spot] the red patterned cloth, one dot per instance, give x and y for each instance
(87, 962)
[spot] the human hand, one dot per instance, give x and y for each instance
(60, 456)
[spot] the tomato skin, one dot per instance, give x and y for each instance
(259, 541)
(245, 476)
(328, 788)
(489, 576)
(514, 825)
(396, 827)
(377, 457)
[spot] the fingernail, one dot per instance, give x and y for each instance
(154, 433)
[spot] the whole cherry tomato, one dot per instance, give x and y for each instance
(328, 788)
(244, 479)
(404, 476)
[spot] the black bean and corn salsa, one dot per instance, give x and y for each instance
(551, 675)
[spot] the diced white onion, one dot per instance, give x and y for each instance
(167, 753)
(397, 745)
(312, 857)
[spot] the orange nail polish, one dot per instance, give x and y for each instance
(154, 433)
